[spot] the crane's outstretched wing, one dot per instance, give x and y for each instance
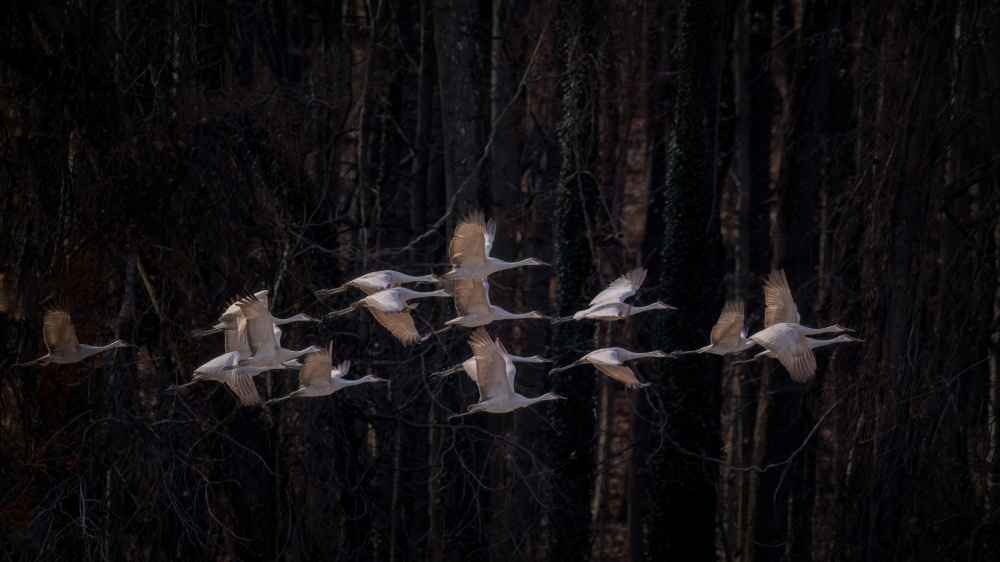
(58, 331)
(791, 349)
(472, 296)
(780, 306)
(730, 324)
(491, 367)
(620, 289)
(468, 245)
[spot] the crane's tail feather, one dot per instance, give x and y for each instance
(327, 292)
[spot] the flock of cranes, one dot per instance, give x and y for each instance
(253, 336)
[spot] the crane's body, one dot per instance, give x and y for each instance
(496, 378)
(258, 329)
(62, 343)
(611, 361)
(318, 377)
(379, 281)
(470, 248)
(783, 335)
(729, 335)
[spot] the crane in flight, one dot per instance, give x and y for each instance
(318, 377)
(812, 342)
(229, 319)
(496, 378)
(60, 339)
(611, 361)
(379, 281)
(469, 365)
(729, 335)
(472, 302)
(258, 330)
(610, 304)
(783, 335)
(226, 369)
(470, 247)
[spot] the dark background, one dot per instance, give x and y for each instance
(157, 157)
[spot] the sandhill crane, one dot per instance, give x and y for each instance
(610, 304)
(469, 365)
(611, 361)
(379, 281)
(472, 302)
(783, 335)
(470, 250)
(390, 300)
(496, 378)
(729, 335)
(812, 342)
(260, 336)
(60, 338)
(225, 369)
(229, 319)
(318, 377)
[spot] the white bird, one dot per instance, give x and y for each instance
(611, 361)
(257, 327)
(472, 302)
(60, 338)
(225, 369)
(390, 300)
(229, 319)
(813, 344)
(610, 304)
(496, 378)
(379, 281)
(469, 365)
(783, 335)
(318, 377)
(470, 250)
(729, 335)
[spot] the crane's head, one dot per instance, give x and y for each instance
(538, 359)
(839, 328)
(663, 305)
(536, 314)
(121, 343)
(659, 353)
(536, 261)
(848, 337)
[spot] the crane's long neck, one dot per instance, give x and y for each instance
(814, 343)
(638, 309)
(501, 314)
(365, 379)
(421, 295)
(300, 317)
(287, 354)
(88, 350)
(500, 265)
(418, 278)
(542, 398)
(628, 355)
(812, 331)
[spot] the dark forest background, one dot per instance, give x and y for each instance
(157, 157)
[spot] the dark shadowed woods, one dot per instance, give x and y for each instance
(158, 157)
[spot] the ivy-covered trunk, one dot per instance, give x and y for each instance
(572, 439)
(686, 397)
